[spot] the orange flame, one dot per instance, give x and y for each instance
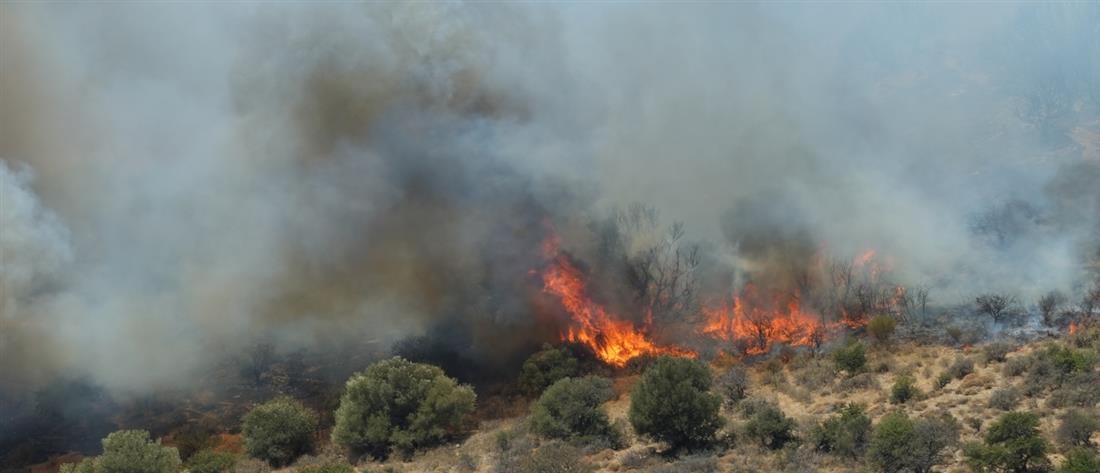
(1073, 328)
(761, 327)
(614, 341)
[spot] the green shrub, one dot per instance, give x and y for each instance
(1012, 444)
(570, 409)
(210, 461)
(672, 403)
(278, 431)
(903, 390)
(733, 385)
(1076, 427)
(555, 458)
(851, 358)
(1004, 399)
(899, 443)
(1016, 366)
(129, 451)
(399, 404)
(546, 367)
(943, 380)
(845, 434)
(1080, 460)
(771, 428)
(882, 327)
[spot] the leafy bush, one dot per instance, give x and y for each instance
(672, 403)
(399, 404)
(733, 385)
(899, 443)
(845, 434)
(859, 382)
(770, 427)
(1016, 367)
(210, 461)
(1004, 399)
(278, 431)
(1080, 460)
(903, 390)
(851, 358)
(1012, 444)
(1076, 427)
(570, 409)
(129, 451)
(555, 458)
(546, 367)
(882, 327)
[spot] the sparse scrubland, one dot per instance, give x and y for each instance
(1023, 406)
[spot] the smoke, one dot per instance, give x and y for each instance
(209, 175)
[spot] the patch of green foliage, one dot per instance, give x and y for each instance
(672, 403)
(398, 404)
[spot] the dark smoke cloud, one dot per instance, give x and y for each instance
(181, 180)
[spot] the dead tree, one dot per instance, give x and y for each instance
(1049, 305)
(662, 273)
(914, 302)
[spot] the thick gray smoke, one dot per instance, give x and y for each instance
(179, 180)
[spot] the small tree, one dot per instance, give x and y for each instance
(851, 358)
(278, 431)
(672, 403)
(129, 451)
(1012, 444)
(770, 427)
(570, 409)
(546, 367)
(882, 328)
(399, 404)
(899, 443)
(1049, 305)
(997, 306)
(845, 434)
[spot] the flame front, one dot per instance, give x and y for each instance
(615, 341)
(760, 327)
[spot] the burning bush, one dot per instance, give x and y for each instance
(399, 404)
(130, 451)
(1012, 444)
(546, 367)
(672, 403)
(845, 434)
(899, 443)
(278, 431)
(570, 409)
(770, 427)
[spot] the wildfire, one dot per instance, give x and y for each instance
(615, 341)
(762, 327)
(1073, 328)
